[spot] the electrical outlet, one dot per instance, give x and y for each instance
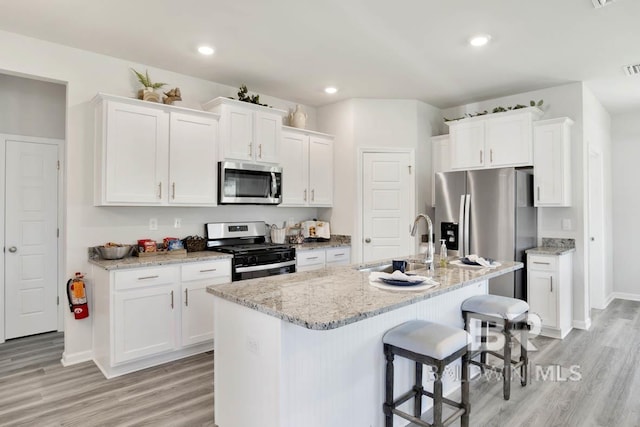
(566, 224)
(177, 223)
(153, 223)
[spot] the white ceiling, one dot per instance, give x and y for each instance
(418, 49)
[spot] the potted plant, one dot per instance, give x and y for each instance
(148, 93)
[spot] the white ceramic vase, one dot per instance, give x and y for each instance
(298, 119)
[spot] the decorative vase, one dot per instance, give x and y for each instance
(149, 94)
(298, 118)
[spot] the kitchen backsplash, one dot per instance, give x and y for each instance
(553, 242)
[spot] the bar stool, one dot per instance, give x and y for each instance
(426, 343)
(508, 314)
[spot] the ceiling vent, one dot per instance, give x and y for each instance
(632, 70)
(601, 3)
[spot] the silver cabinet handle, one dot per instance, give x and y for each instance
(312, 257)
(160, 190)
(538, 189)
(260, 150)
(367, 240)
(13, 249)
(186, 297)
(491, 155)
(172, 300)
(250, 151)
(148, 277)
(551, 283)
(541, 263)
(173, 191)
(208, 270)
(342, 254)
(480, 156)
(305, 195)
(313, 195)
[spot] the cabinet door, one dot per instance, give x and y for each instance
(268, 132)
(320, 171)
(467, 145)
(197, 313)
(145, 322)
(542, 291)
(440, 160)
(192, 160)
(238, 133)
(508, 141)
(552, 176)
(294, 160)
(136, 155)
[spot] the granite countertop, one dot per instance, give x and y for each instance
(336, 241)
(337, 296)
(134, 262)
(549, 250)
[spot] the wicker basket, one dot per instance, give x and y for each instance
(194, 243)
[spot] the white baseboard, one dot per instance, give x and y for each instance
(625, 295)
(609, 300)
(75, 358)
(579, 324)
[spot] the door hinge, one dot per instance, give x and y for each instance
(57, 232)
(409, 169)
(58, 300)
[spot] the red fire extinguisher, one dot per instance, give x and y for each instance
(77, 294)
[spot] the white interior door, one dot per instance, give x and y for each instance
(597, 288)
(388, 205)
(31, 247)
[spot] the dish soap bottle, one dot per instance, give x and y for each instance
(443, 253)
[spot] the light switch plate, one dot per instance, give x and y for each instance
(566, 224)
(177, 222)
(153, 223)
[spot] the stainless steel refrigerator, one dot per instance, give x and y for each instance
(489, 213)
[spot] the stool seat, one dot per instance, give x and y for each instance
(495, 305)
(431, 339)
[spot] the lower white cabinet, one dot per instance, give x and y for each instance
(315, 259)
(151, 315)
(549, 292)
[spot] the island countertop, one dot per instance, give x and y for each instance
(337, 296)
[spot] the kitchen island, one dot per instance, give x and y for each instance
(305, 349)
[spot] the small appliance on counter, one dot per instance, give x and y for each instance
(252, 255)
(316, 230)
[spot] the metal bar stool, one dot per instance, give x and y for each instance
(508, 314)
(426, 343)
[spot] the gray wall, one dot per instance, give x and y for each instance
(32, 107)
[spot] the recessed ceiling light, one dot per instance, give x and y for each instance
(206, 50)
(330, 90)
(479, 40)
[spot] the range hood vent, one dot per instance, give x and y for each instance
(632, 70)
(601, 3)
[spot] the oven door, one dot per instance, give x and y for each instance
(246, 183)
(254, 271)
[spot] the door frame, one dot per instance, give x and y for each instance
(356, 239)
(60, 143)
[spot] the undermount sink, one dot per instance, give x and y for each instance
(388, 268)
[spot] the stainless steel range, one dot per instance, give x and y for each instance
(252, 255)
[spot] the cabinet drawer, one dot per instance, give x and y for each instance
(140, 277)
(338, 255)
(206, 270)
(310, 257)
(542, 263)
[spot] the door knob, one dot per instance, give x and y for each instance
(593, 239)
(367, 240)
(13, 249)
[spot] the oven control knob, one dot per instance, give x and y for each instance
(252, 260)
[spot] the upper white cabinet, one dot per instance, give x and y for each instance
(149, 154)
(552, 162)
(248, 132)
(440, 160)
(493, 140)
(307, 168)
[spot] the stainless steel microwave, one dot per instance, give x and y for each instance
(249, 184)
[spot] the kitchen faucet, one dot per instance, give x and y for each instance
(428, 256)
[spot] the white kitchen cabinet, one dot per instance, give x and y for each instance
(440, 160)
(316, 259)
(248, 132)
(197, 306)
(149, 154)
(150, 315)
(552, 162)
(549, 292)
(193, 173)
(307, 162)
(493, 140)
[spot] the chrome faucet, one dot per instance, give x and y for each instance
(428, 257)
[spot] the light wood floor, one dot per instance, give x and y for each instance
(35, 390)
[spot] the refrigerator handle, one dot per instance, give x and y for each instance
(467, 221)
(461, 226)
